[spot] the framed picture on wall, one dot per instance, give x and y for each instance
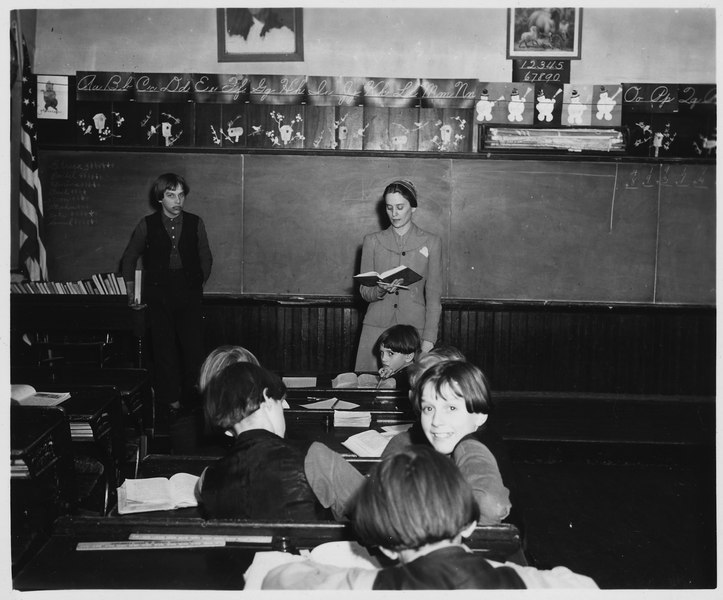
(260, 34)
(544, 32)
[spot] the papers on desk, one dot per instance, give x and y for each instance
(299, 382)
(368, 443)
(329, 403)
(360, 418)
(392, 430)
(26, 395)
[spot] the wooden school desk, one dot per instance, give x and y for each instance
(42, 476)
(60, 565)
(387, 406)
(73, 314)
(94, 415)
(133, 384)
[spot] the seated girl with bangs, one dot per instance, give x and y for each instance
(452, 399)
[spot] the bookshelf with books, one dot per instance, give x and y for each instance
(99, 284)
(78, 314)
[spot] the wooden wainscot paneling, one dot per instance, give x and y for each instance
(520, 346)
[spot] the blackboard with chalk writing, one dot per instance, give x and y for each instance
(293, 224)
(94, 200)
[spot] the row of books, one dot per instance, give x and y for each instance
(573, 140)
(103, 284)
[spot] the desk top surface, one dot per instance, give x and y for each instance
(60, 565)
(126, 380)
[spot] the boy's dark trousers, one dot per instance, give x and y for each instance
(176, 341)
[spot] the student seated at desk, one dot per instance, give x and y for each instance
(262, 477)
(452, 399)
(220, 358)
(333, 480)
(416, 507)
(397, 346)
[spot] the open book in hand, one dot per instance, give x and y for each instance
(157, 493)
(403, 272)
(26, 395)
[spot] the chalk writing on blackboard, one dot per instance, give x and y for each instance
(70, 189)
(533, 70)
(691, 96)
(650, 97)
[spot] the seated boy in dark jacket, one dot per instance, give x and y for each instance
(262, 476)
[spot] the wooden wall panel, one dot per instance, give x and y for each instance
(532, 347)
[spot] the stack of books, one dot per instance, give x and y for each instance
(81, 430)
(101, 284)
(572, 140)
(18, 469)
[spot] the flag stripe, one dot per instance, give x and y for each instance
(31, 248)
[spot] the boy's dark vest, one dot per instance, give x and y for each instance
(157, 254)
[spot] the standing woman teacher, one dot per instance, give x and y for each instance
(403, 243)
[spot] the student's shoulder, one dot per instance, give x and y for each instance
(470, 446)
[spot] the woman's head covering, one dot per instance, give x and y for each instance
(405, 188)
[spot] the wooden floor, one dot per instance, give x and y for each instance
(627, 524)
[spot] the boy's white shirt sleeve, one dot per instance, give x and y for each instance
(558, 577)
(309, 575)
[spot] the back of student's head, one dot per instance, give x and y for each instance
(401, 338)
(219, 359)
(458, 378)
(434, 356)
(237, 391)
(412, 498)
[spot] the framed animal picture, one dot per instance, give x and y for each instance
(260, 34)
(544, 33)
(52, 96)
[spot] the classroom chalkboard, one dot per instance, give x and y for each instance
(306, 217)
(94, 200)
(293, 224)
(533, 230)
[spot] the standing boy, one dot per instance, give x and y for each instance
(177, 262)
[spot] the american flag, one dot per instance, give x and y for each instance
(32, 251)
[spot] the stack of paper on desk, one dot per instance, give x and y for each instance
(367, 443)
(360, 418)
(299, 382)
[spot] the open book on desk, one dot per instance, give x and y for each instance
(407, 275)
(157, 493)
(362, 380)
(368, 443)
(26, 395)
